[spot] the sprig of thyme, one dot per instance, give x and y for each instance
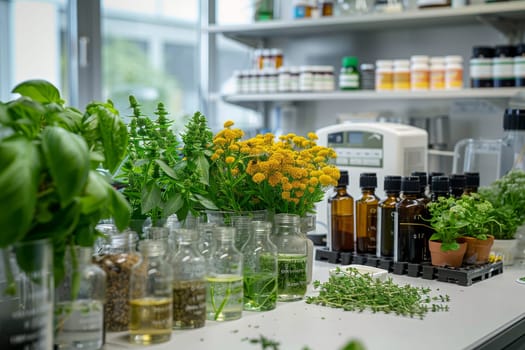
(359, 292)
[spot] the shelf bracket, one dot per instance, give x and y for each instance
(512, 29)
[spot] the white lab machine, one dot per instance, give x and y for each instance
(370, 147)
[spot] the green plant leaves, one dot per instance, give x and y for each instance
(20, 168)
(203, 169)
(67, 158)
(38, 90)
(165, 167)
(150, 197)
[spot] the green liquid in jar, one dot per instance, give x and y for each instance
(260, 291)
(291, 280)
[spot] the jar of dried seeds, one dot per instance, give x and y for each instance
(119, 254)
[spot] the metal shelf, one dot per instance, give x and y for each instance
(513, 10)
(488, 93)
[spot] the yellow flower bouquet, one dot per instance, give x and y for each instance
(288, 174)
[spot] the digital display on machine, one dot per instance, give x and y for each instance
(355, 138)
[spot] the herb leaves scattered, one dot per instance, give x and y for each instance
(359, 292)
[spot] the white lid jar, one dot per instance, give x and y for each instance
(453, 72)
(401, 80)
(384, 75)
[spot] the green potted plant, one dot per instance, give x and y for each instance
(478, 213)
(446, 246)
(161, 177)
(51, 189)
(507, 196)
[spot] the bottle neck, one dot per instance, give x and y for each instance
(391, 194)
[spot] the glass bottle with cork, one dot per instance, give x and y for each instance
(189, 281)
(341, 215)
(260, 268)
(151, 296)
(410, 244)
(366, 215)
(349, 75)
(291, 257)
(385, 216)
(224, 295)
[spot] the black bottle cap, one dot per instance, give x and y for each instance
(457, 181)
(343, 178)
(520, 50)
(514, 119)
(505, 51)
(410, 184)
(482, 52)
(422, 178)
(368, 180)
(432, 174)
(440, 184)
(472, 180)
(392, 183)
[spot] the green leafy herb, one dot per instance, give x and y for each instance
(265, 342)
(359, 292)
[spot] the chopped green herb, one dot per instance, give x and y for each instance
(359, 292)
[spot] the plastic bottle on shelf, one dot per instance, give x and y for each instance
(349, 75)
(326, 8)
(317, 78)
(384, 75)
(284, 79)
(238, 78)
(278, 58)
(306, 78)
(253, 81)
(367, 71)
(437, 73)
(294, 78)
(419, 73)
(503, 66)
(271, 80)
(481, 63)
(401, 80)
(302, 9)
(453, 72)
(328, 78)
(519, 65)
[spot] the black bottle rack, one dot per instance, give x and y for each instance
(463, 276)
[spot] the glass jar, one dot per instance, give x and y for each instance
(291, 257)
(161, 234)
(26, 298)
(260, 268)
(242, 230)
(151, 296)
(224, 295)
(189, 282)
(308, 225)
(79, 302)
(117, 258)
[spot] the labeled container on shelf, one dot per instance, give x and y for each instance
(302, 9)
(384, 75)
(437, 73)
(306, 78)
(349, 75)
(519, 65)
(453, 72)
(503, 66)
(284, 80)
(401, 78)
(481, 65)
(419, 73)
(367, 71)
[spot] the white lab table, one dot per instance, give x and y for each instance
(477, 314)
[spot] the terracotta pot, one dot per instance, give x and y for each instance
(478, 250)
(452, 258)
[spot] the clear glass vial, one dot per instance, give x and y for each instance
(79, 313)
(291, 258)
(224, 296)
(260, 268)
(189, 282)
(151, 309)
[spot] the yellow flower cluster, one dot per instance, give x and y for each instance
(288, 174)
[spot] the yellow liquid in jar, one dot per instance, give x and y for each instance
(150, 320)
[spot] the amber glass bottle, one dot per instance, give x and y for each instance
(341, 206)
(457, 185)
(366, 214)
(385, 218)
(410, 244)
(424, 198)
(471, 183)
